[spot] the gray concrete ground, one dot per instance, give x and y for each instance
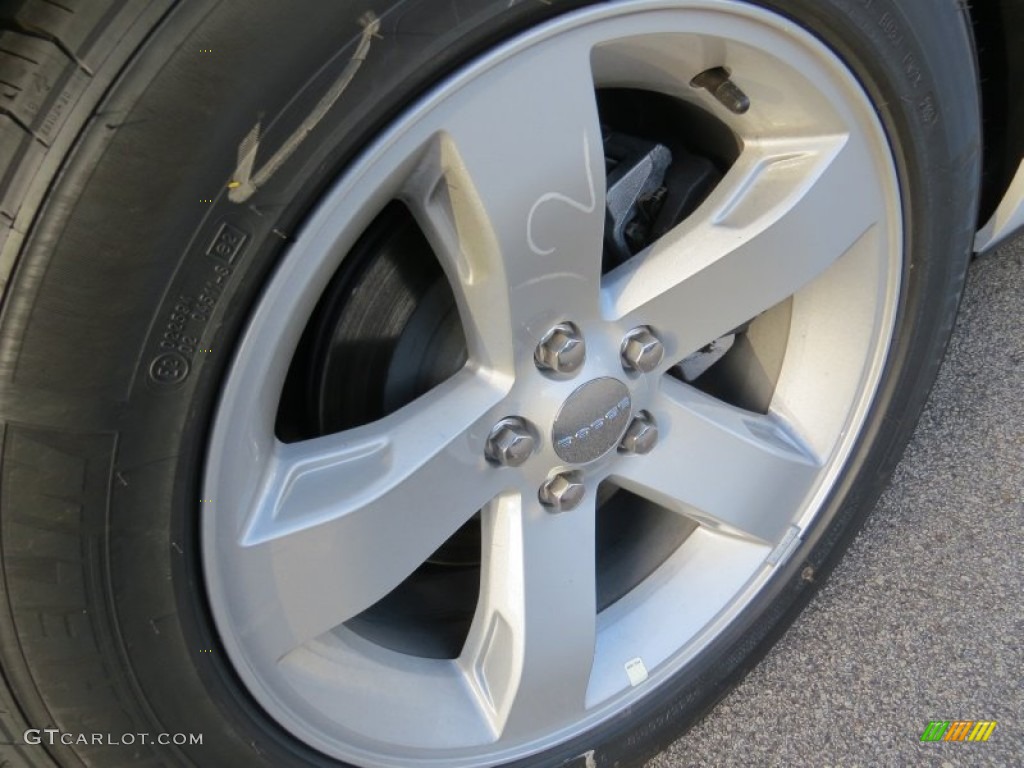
(924, 618)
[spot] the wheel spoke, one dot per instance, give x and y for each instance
(774, 224)
(511, 196)
(535, 622)
(343, 519)
(735, 471)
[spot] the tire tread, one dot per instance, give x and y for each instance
(50, 53)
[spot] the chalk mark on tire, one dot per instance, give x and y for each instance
(244, 182)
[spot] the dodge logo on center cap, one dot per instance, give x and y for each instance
(591, 421)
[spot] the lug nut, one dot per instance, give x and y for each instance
(510, 442)
(641, 351)
(641, 435)
(563, 492)
(561, 350)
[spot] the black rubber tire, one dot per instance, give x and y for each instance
(119, 128)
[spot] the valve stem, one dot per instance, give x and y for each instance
(719, 84)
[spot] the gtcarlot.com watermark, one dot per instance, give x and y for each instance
(52, 736)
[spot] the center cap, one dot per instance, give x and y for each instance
(591, 421)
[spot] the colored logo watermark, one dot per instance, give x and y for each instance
(958, 730)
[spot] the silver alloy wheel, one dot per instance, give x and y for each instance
(501, 167)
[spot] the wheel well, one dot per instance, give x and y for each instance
(999, 45)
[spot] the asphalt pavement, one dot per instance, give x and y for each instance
(924, 617)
